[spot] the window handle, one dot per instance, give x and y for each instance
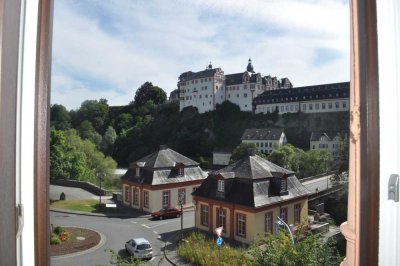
(393, 188)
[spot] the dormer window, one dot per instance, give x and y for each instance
(137, 171)
(283, 185)
(221, 185)
(181, 171)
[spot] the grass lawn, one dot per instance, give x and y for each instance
(87, 205)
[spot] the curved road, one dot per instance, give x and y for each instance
(116, 231)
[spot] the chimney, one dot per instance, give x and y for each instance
(251, 152)
(163, 147)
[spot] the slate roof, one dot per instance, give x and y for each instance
(165, 158)
(160, 168)
(315, 92)
(315, 136)
(233, 79)
(196, 75)
(251, 182)
(262, 134)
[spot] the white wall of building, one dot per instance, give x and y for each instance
(314, 106)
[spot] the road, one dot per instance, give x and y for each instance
(117, 231)
(318, 184)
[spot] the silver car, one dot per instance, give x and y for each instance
(140, 248)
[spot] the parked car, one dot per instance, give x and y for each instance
(166, 213)
(140, 248)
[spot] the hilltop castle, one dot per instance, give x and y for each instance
(252, 91)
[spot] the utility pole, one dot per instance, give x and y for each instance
(181, 197)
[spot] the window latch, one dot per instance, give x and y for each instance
(19, 219)
(393, 189)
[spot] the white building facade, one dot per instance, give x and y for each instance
(205, 89)
(310, 99)
(320, 141)
(265, 139)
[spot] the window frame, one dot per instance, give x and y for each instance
(146, 198)
(204, 215)
(364, 84)
(241, 224)
(268, 228)
(221, 218)
(168, 198)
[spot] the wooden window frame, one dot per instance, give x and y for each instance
(363, 186)
(223, 217)
(204, 221)
(297, 213)
(285, 217)
(169, 198)
(184, 195)
(146, 196)
(266, 229)
(238, 226)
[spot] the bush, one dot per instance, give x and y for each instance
(199, 250)
(58, 230)
(54, 240)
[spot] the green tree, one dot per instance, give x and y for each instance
(123, 122)
(77, 159)
(288, 157)
(93, 111)
(148, 92)
(315, 163)
(107, 143)
(59, 117)
(278, 250)
(242, 150)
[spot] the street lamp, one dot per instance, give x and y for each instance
(100, 177)
(181, 198)
(281, 222)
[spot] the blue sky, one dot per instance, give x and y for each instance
(108, 48)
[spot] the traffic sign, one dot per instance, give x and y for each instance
(219, 241)
(218, 231)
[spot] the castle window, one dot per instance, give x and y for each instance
(337, 105)
(344, 104)
(330, 105)
(245, 95)
(137, 171)
(323, 105)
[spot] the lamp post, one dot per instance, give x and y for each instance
(181, 197)
(100, 178)
(281, 222)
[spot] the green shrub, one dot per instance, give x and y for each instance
(199, 250)
(58, 230)
(54, 240)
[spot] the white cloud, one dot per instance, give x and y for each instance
(112, 47)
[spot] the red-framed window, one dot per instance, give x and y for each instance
(297, 212)
(268, 222)
(166, 198)
(241, 224)
(204, 215)
(127, 194)
(221, 218)
(146, 199)
(135, 196)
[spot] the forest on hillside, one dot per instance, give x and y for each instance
(127, 133)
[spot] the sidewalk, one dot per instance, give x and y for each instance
(170, 252)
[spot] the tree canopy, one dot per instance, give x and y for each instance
(77, 159)
(60, 118)
(148, 92)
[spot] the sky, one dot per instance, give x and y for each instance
(109, 48)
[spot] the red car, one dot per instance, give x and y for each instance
(166, 213)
